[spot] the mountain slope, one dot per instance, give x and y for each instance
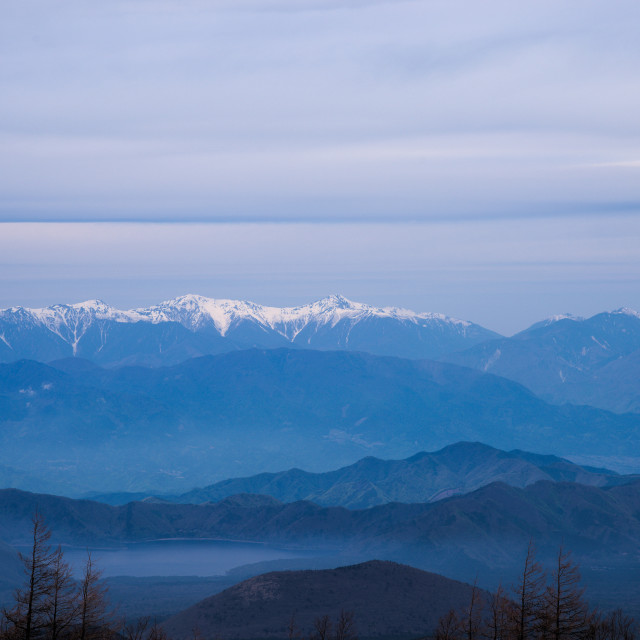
(387, 599)
(592, 361)
(192, 325)
(169, 429)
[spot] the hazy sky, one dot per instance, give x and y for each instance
(481, 159)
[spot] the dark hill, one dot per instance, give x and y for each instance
(387, 599)
(167, 430)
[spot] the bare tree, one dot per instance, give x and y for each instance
(448, 627)
(528, 598)
(27, 619)
(499, 615)
(62, 604)
(92, 616)
(615, 626)
(292, 630)
(135, 630)
(346, 626)
(471, 621)
(157, 632)
(322, 628)
(566, 613)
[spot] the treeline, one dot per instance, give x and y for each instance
(539, 606)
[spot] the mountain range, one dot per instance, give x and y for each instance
(593, 361)
(193, 325)
(169, 429)
(564, 359)
(425, 477)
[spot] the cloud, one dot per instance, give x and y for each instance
(281, 110)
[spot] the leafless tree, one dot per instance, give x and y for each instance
(92, 615)
(27, 620)
(157, 632)
(322, 628)
(449, 627)
(292, 630)
(614, 626)
(135, 630)
(566, 613)
(471, 620)
(528, 598)
(499, 614)
(62, 604)
(346, 626)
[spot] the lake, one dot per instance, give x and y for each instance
(178, 557)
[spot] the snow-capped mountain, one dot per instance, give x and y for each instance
(565, 358)
(194, 325)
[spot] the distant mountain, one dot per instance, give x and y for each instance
(193, 325)
(387, 600)
(167, 430)
(425, 477)
(594, 361)
(14, 478)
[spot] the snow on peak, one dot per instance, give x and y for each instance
(562, 316)
(627, 312)
(552, 320)
(195, 312)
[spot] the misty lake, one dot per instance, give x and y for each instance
(178, 557)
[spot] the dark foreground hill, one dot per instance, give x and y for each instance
(167, 430)
(387, 599)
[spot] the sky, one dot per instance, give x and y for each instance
(480, 159)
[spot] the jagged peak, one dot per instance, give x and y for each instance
(91, 305)
(194, 311)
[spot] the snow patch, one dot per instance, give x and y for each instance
(492, 360)
(604, 346)
(627, 312)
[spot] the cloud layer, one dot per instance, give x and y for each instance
(321, 110)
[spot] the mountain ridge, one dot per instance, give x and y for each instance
(196, 325)
(424, 477)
